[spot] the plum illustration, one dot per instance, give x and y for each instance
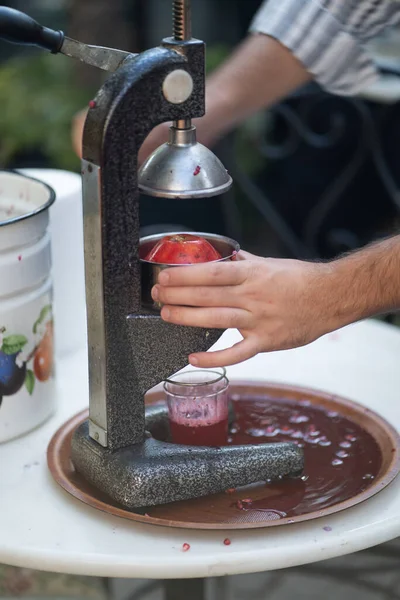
(14, 371)
(12, 376)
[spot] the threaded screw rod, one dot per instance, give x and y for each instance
(182, 20)
(182, 31)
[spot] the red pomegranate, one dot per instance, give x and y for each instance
(182, 249)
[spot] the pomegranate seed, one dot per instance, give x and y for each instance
(227, 542)
(230, 491)
(247, 501)
(92, 104)
(239, 505)
(185, 547)
(19, 257)
(197, 170)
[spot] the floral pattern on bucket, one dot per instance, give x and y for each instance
(21, 365)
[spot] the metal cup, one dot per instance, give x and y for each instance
(227, 248)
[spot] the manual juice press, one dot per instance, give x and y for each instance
(130, 348)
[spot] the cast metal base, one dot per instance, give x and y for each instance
(157, 472)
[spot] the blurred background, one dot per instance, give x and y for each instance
(315, 176)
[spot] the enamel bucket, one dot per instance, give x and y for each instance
(27, 389)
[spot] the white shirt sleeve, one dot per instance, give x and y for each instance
(329, 36)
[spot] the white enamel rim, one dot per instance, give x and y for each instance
(39, 209)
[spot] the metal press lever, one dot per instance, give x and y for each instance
(18, 28)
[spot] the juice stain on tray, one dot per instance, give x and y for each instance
(341, 461)
(341, 458)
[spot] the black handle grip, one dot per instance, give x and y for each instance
(18, 28)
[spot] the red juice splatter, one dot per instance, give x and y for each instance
(328, 478)
(345, 444)
(92, 104)
(215, 434)
(19, 257)
(185, 547)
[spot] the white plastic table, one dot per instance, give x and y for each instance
(42, 527)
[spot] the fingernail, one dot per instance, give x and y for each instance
(193, 361)
(155, 293)
(163, 278)
(165, 313)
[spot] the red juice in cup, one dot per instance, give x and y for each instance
(199, 432)
(198, 407)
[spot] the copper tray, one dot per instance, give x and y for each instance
(219, 513)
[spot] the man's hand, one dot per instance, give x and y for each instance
(274, 303)
(278, 304)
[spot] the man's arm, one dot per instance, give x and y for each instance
(258, 74)
(278, 304)
(367, 283)
(328, 36)
(294, 41)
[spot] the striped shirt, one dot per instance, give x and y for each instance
(329, 36)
